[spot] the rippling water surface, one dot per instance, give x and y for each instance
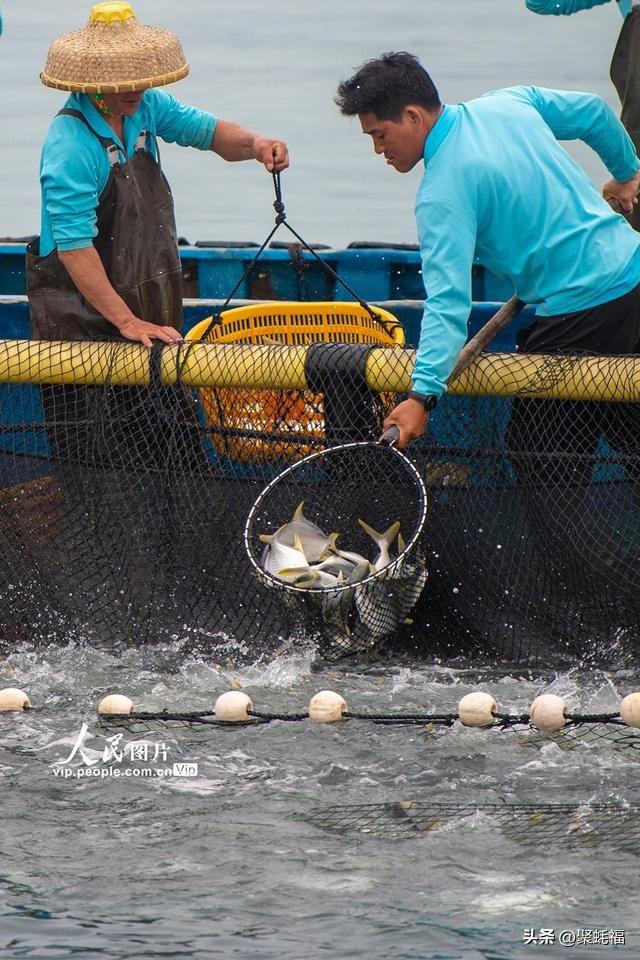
(231, 862)
(234, 863)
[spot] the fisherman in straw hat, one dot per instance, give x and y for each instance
(106, 262)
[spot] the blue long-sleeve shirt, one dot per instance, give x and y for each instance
(499, 188)
(560, 7)
(74, 167)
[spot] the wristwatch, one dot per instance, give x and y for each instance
(427, 400)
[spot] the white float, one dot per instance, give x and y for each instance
(115, 703)
(233, 706)
(547, 712)
(13, 699)
(476, 709)
(630, 710)
(327, 706)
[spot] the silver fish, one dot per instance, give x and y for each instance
(280, 556)
(377, 609)
(383, 541)
(341, 601)
(314, 540)
(310, 579)
(411, 583)
(335, 565)
(333, 550)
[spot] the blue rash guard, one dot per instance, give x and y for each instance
(74, 167)
(500, 190)
(560, 7)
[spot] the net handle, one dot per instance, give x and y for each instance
(507, 312)
(390, 437)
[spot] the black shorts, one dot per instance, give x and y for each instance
(553, 442)
(610, 328)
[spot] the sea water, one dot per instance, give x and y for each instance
(230, 861)
(223, 855)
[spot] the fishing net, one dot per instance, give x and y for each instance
(319, 506)
(123, 516)
(543, 826)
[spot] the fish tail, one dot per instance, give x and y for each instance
(331, 546)
(297, 513)
(387, 537)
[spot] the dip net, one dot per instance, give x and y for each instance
(127, 477)
(366, 594)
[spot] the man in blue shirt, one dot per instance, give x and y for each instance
(107, 263)
(625, 65)
(499, 187)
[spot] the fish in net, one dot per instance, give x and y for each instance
(310, 534)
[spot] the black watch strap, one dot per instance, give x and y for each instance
(427, 400)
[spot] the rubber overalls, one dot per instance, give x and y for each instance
(137, 243)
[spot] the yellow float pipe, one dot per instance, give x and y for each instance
(550, 377)
(57, 362)
(252, 366)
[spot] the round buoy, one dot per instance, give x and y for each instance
(233, 706)
(115, 703)
(13, 699)
(547, 712)
(327, 707)
(476, 709)
(630, 710)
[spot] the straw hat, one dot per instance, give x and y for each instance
(114, 53)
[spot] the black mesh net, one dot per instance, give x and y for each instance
(337, 537)
(567, 825)
(123, 512)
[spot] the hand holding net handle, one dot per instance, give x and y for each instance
(473, 349)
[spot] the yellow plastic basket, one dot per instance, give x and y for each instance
(257, 425)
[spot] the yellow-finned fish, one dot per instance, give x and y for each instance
(383, 542)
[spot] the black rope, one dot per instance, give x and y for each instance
(278, 203)
(267, 717)
(246, 274)
(445, 719)
(281, 218)
(501, 720)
